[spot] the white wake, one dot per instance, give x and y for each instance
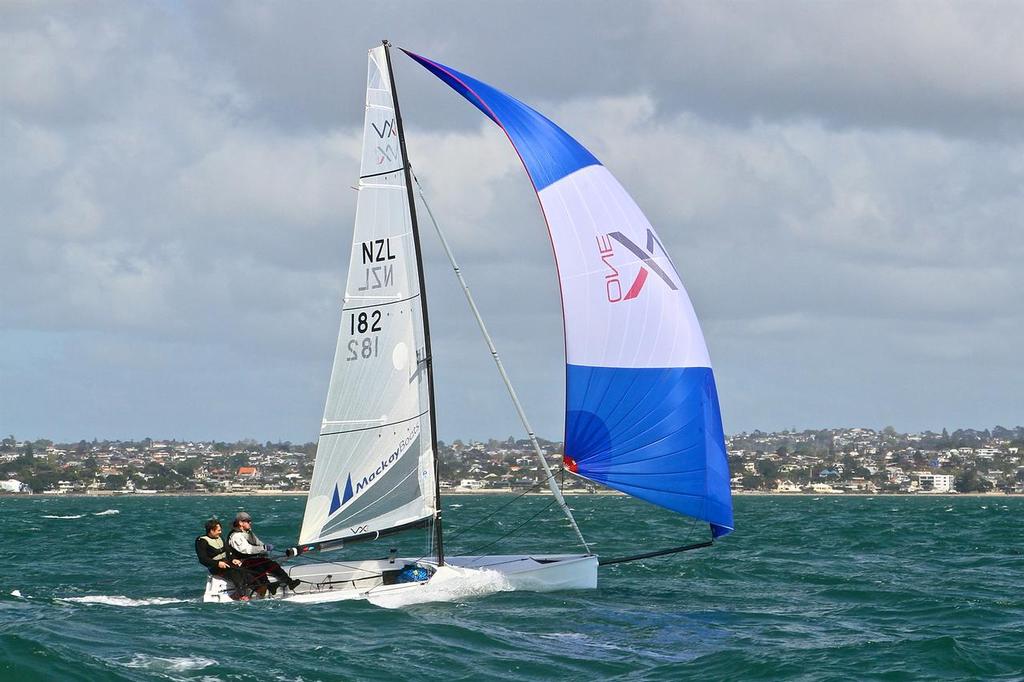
(449, 583)
(105, 512)
(120, 600)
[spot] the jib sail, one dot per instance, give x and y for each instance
(374, 469)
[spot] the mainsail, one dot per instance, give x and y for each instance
(375, 467)
(642, 412)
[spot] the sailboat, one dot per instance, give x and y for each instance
(642, 413)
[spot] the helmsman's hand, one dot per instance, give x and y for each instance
(222, 564)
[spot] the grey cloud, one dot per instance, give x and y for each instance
(177, 208)
(941, 66)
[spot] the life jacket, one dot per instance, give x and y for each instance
(217, 545)
(250, 538)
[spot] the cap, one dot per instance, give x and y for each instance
(242, 516)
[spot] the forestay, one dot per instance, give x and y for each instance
(642, 412)
(374, 469)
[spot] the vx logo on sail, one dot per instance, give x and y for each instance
(386, 131)
(613, 285)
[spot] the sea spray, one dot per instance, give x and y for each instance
(448, 584)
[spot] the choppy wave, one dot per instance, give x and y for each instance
(169, 663)
(121, 600)
(105, 512)
(908, 588)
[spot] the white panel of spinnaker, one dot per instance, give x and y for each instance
(374, 464)
(624, 302)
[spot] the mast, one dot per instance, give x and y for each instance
(427, 360)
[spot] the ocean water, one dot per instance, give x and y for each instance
(831, 588)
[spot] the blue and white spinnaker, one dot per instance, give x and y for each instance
(642, 412)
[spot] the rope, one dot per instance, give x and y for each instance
(501, 508)
(494, 542)
(318, 560)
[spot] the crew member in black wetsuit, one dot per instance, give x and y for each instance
(246, 546)
(213, 553)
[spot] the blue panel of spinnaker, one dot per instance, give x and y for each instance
(654, 433)
(548, 152)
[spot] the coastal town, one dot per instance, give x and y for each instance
(827, 461)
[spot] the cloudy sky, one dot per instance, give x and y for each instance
(840, 185)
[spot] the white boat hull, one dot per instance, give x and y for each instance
(462, 576)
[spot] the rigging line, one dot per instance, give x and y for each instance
(489, 516)
(369, 573)
(318, 560)
(494, 542)
(539, 454)
(495, 512)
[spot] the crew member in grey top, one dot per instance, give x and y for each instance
(252, 552)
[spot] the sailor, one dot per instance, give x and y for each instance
(248, 548)
(213, 554)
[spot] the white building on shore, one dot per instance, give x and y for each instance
(13, 486)
(936, 483)
(823, 489)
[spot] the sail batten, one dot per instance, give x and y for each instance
(377, 424)
(641, 402)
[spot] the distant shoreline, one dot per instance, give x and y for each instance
(758, 493)
(111, 494)
(114, 494)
